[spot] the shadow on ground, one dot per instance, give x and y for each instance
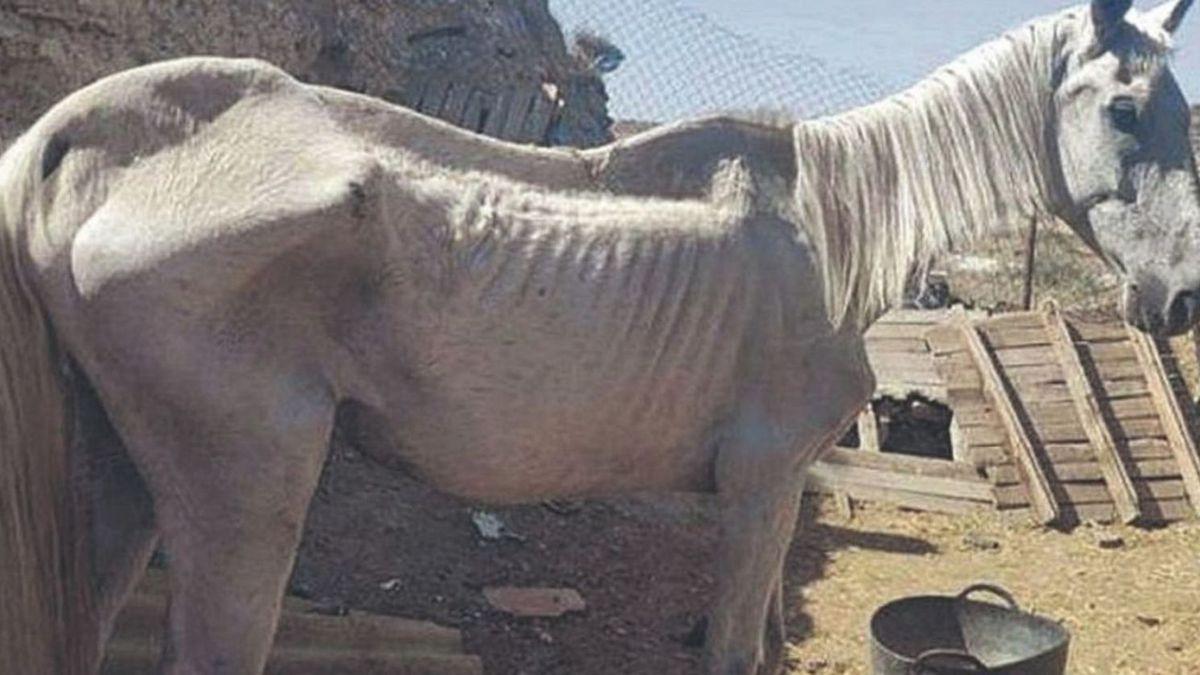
(378, 541)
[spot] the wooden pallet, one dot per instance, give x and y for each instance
(305, 643)
(522, 113)
(1072, 421)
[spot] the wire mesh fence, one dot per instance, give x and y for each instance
(681, 64)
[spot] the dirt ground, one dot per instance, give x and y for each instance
(640, 566)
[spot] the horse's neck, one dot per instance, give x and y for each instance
(884, 189)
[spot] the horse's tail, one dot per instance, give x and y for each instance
(46, 614)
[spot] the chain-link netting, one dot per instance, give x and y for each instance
(680, 64)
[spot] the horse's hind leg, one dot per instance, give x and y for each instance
(123, 530)
(232, 480)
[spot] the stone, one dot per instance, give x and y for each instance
(534, 602)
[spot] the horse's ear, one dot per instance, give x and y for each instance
(1107, 15)
(1170, 14)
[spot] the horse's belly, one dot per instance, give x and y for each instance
(507, 431)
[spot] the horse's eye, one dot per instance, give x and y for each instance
(1124, 113)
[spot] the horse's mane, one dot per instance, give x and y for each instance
(903, 180)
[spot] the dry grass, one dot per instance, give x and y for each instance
(990, 274)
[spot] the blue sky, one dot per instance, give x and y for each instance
(901, 40)
(810, 57)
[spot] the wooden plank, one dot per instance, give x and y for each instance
(1093, 492)
(1108, 351)
(901, 464)
(904, 498)
(1025, 356)
(975, 416)
(1011, 320)
(1042, 498)
(896, 331)
(1077, 472)
(1073, 432)
(868, 430)
(1100, 332)
(1087, 407)
(1024, 376)
(538, 122)
(1016, 337)
(1119, 370)
(945, 340)
(898, 345)
(455, 105)
(843, 478)
(472, 117)
(914, 370)
(434, 95)
(985, 435)
(498, 115)
(522, 104)
(1178, 434)
(1165, 511)
(1137, 450)
(1124, 408)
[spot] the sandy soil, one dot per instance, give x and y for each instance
(640, 565)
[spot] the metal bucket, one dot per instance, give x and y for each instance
(954, 634)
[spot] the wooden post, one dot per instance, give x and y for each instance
(1045, 507)
(1030, 259)
(868, 430)
(1087, 407)
(1169, 412)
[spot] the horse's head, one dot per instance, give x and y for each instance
(1127, 167)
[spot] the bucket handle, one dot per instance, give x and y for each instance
(921, 666)
(994, 590)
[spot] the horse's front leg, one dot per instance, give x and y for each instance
(760, 471)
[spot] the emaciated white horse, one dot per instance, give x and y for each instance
(203, 261)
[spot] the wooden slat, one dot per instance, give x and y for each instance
(477, 102)
(896, 331)
(898, 345)
(1119, 370)
(985, 435)
(1076, 472)
(1108, 351)
(1171, 415)
(498, 115)
(1093, 492)
(1011, 320)
(945, 340)
(901, 464)
(540, 118)
(1100, 332)
(1025, 356)
(434, 95)
(902, 498)
(1042, 498)
(455, 105)
(1087, 407)
(843, 478)
(518, 112)
(1165, 511)
(1016, 337)
(1060, 454)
